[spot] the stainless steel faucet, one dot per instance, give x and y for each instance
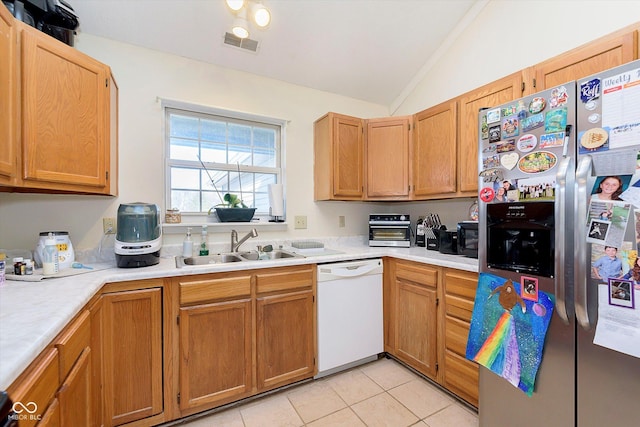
(235, 243)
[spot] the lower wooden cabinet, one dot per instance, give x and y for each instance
(460, 374)
(285, 335)
(132, 355)
(425, 333)
(75, 393)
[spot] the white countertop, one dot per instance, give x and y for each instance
(33, 313)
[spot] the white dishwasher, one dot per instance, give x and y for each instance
(350, 326)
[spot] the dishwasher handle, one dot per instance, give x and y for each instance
(353, 270)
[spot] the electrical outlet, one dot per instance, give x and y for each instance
(109, 225)
(341, 221)
(301, 221)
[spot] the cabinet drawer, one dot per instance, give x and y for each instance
(39, 386)
(461, 283)
(417, 273)
(461, 377)
(72, 342)
(283, 279)
(458, 307)
(456, 335)
(196, 291)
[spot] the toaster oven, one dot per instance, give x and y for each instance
(390, 230)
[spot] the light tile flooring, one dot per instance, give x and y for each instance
(380, 393)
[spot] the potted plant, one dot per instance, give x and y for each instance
(232, 208)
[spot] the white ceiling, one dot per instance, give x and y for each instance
(373, 50)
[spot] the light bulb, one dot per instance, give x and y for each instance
(240, 28)
(235, 5)
(261, 15)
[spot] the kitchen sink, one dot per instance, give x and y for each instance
(268, 256)
(224, 258)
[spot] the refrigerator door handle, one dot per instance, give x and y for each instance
(583, 173)
(560, 220)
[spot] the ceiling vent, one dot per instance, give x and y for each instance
(246, 44)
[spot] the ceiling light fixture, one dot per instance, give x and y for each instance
(259, 14)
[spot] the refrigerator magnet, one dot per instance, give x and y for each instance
(536, 105)
(493, 116)
(527, 143)
(589, 90)
(621, 293)
(509, 161)
(484, 128)
(494, 133)
(552, 140)
(558, 97)
(486, 194)
(537, 162)
(529, 288)
(510, 127)
(555, 120)
(505, 147)
(532, 122)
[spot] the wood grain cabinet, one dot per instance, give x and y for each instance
(215, 340)
(415, 315)
(286, 326)
(338, 157)
(460, 375)
(388, 142)
(435, 150)
(8, 100)
(62, 128)
(132, 355)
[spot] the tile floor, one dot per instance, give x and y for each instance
(380, 393)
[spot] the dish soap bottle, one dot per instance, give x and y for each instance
(50, 256)
(187, 245)
(204, 245)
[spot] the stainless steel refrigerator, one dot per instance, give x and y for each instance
(541, 158)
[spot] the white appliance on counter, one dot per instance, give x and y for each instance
(350, 328)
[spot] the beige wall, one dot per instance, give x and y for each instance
(474, 59)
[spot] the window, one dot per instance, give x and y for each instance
(241, 154)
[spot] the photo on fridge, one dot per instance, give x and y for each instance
(621, 293)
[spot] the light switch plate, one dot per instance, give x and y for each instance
(300, 222)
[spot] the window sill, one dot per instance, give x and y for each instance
(222, 227)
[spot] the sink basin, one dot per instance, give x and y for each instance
(268, 256)
(206, 260)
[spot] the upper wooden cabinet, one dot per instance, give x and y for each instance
(8, 100)
(607, 52)
(496, 93)
(435, 152)
(388, 142)
(338, 157)
(62, 127)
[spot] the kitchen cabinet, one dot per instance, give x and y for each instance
(460, 374)
(415, 315)
(8, 100)
(215, 339)
(62, 108)
(604, 53)
(388, 142)
(435, 152)
(132, 353)
(243, 333)
(338, 157)
(495, 93)
(285, 325)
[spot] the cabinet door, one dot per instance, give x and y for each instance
(65, 113)
(602, 54)
(75, 393)
(348, 153)
(460, 374)
(387, 157)
(285, 339)
(496, 93)
(51, 417)
(215, 353)
(8, 99)
(434, 151)
(132, 355)
(417, 327)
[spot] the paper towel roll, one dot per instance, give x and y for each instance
(276, 201)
